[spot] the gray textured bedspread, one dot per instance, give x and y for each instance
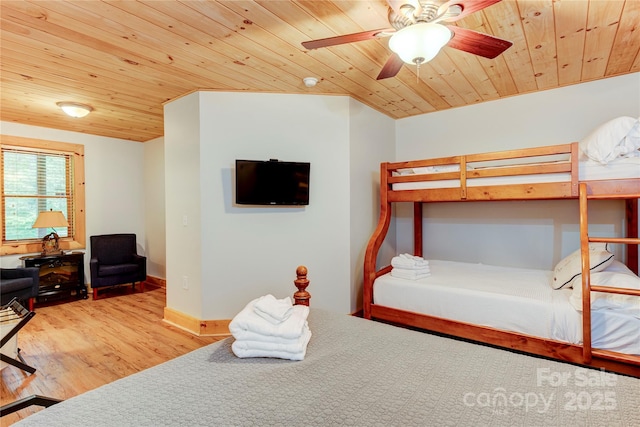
(359, 373)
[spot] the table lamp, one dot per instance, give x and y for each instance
(50, 219)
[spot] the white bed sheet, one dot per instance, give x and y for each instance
(511, 299)
(588, 170)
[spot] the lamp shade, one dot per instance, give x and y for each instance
(50, 219)
(74, 109)
(419, 43)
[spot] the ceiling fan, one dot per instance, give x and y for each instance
(418, 33)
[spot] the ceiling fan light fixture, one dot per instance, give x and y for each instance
(419, 43)
(75, 109)
(407, 8)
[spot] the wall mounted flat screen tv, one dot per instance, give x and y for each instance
(272, 182)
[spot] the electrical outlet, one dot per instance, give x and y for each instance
(185, 282)
(185, 220)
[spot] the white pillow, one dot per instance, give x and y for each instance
(616, 138)
(619, 276)
(571, 266)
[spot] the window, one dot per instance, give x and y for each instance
(36, 176)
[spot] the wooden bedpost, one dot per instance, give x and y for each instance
(631, 208)
(417, 229)
(375, 241)
(586, 275)
(301, 296)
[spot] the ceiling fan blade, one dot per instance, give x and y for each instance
(468, 7)
(391, 67)
(348, 38)
(477, 43)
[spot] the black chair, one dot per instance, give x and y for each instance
(115, 261)
(19, 283)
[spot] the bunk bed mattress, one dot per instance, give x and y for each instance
(510, 299)
(589, 170)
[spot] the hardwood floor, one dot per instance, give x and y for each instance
(80, 345)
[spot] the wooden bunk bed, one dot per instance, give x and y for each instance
(542, 173)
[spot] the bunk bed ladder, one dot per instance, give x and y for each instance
(585, 239)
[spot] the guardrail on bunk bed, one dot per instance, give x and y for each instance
(539, 162)
(532, 173)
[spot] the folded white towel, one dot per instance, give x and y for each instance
(397, 262)
(243, 335)
(410, 274)
(413, 257)
(409, 262)
(274, 310)
(292, 349)
(244, 353)
(413, 271)
(248, 320)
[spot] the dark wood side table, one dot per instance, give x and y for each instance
(61, 276)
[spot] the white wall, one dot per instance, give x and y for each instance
(154, 205)
(255, 251)
(114, 189)
(183, 206)
(529, 234)
(372, 142)
(244, 252)
(549, 117)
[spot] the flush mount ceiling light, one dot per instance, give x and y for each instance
(75, 109)
(419, 43)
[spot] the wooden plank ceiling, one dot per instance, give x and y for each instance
(127, 58)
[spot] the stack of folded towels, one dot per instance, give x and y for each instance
(407, 266)
(270, 327)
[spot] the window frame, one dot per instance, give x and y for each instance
(76, 151)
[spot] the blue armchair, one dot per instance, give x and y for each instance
(20, 283)
(115, 261)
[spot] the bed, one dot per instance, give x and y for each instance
(356, 373)
(513, 299)
(606, 165)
